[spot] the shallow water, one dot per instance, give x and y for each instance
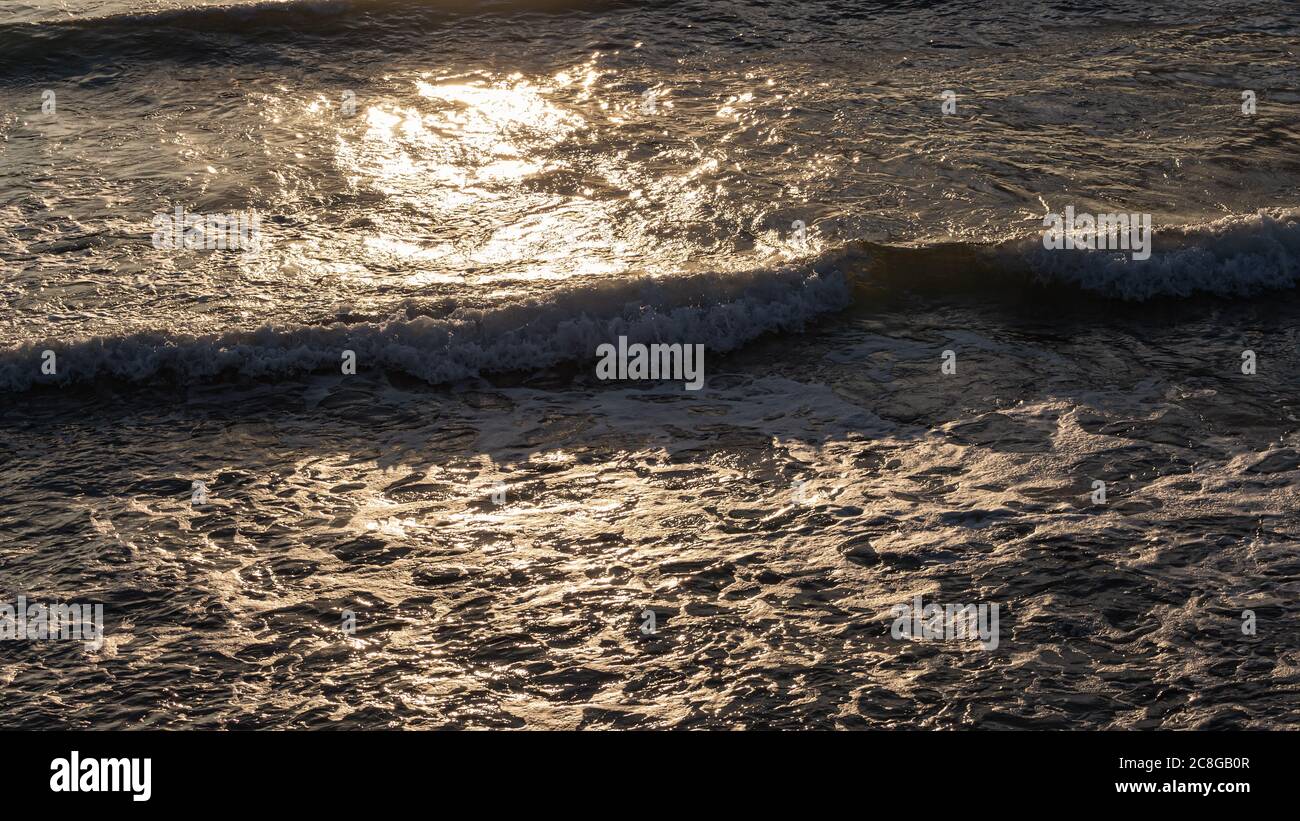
(504, 199)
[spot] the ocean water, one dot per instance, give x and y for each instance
(472, 197)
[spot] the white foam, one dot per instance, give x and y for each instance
(1233, 256)
(720, 311)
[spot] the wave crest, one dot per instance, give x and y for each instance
(1236, 256)
(1230, 257)
(720, 311)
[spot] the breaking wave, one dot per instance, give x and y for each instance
(1231, 257)
(1238, 256)
(721, 311)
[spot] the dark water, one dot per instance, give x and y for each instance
(502, 201)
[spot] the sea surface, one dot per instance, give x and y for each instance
(472, 196)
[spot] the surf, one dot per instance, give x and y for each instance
(1234, 257)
